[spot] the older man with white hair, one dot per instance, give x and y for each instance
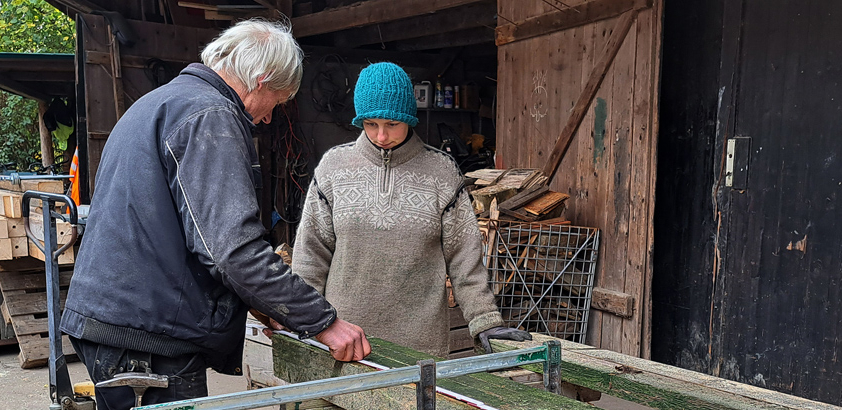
(173, 255)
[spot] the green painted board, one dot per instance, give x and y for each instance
(297, 362)
(657, 385)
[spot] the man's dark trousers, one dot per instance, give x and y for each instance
(187, 375)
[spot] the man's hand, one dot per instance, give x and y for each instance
(501, 333)
(270, 323)
(346, 341)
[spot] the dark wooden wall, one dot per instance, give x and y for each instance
(684, 214)
(609, 170)
(173, 47)
(752, 291)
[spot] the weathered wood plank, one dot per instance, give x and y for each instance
(644, 134)
(297, 362)
(611, 301)
(30, 303)
(22, 264)
(658, 385)
(563, 19)
(480, 14)
(366, 13)
(545, 203)
(35, 350)
(31, 281)
(523, 197)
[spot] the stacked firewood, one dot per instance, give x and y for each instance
(519, 195)
(540, 267)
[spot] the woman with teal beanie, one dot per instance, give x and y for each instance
(386, 219)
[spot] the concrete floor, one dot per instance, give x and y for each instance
(29, 388)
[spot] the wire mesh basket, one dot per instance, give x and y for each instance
(542, 276)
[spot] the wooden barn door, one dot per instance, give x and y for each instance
(776, 299)
(585, 74)
(112, 75)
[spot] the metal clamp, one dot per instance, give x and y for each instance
(426, 387)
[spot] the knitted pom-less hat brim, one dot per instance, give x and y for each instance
(385, 115)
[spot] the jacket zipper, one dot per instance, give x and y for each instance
(386, 155)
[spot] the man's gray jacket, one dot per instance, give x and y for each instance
(173, 254)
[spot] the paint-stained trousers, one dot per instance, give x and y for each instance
(187, 374)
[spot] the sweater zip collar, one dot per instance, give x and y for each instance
(398, 155)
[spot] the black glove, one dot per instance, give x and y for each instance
(500, 332)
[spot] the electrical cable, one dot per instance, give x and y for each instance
(292, 154)
(331, 88)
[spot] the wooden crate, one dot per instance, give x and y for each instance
(25, 305)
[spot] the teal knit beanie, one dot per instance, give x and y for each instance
(384, 91)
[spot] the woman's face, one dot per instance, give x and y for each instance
(385, 134)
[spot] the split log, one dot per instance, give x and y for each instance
(484, 196)
(545, 203)
(518, 178)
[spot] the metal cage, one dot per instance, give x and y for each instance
(542, 276)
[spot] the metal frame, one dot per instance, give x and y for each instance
(542, 277)
(425, 374)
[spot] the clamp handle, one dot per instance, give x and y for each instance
(50, 198)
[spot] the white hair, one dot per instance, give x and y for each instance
(257, 51)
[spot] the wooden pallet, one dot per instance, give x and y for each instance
(25, 307)
(7, 332)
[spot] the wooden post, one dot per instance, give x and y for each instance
(46, 138)
(117, 75)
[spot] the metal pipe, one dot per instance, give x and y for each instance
(15, 178)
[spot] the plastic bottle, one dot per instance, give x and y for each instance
(456, 96)
(439, 94)
(448, 96)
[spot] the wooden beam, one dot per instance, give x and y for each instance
(296, 362)
(41, 76)
(47, 155)
(361, 56)
(459, 38)
(563, 19)
(21, 89)
(657, 385)
(282, 6)
(611, 301)
(587, 95)
(367, 13)
(80, 6)
(471, 16)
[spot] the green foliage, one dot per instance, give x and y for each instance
(18, 125)
(28, 26)
(34, 26)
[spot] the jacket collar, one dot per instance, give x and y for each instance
(211, 77)
(404, 152)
